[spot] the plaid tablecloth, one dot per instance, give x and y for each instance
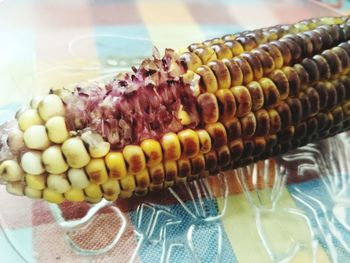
(50, 44)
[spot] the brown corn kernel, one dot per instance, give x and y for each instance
(346, 83)
(275, 53)
(300, 130)
(221, 73)
(235, 72)
(227, 103)
(135, 158)
(208, 82)
(247, 42)
(333, 61)
(333, 32)
(307, 43)
(206, 54)
(340, 88)
(198, 164)
(293, 79)
(254, 63)
(312, 126)
(306, 105)
(322, 120)
(343, 57)
(286, 134)
(184, 167)
(236, 149)
(248, 145)
(271, 141)
(171, 171)
(157, 174)
(257, 95)
(294, 48)
(211, 161)
(312, 69)
(325, 37)
(248, 124)
(222, 51)
(332, 96)
(315, 39)
(224, 157)
(204, 140)
(338, 115)
(217, 133)
(302, 73)
(209, 107)
(346, 110)
(271, 94)
(285, 51)
(190, 143)
(243, 100)
(267, 62)
(285, 114)
(322, 94)
(281, 82)
(233, 128)
(296, 110)
(260, 146)
(247, 71)
(235, 47)
(262, 123)
(314, 100)
(323, 67)
(190, 61)
(275, 121)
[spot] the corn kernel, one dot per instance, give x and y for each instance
(153, 151)
(135, 158)
(116, 165)
(96, 170)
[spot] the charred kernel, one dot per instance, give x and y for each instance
(224, 156)
(311, 67)
(312, 126)
(332, 96)
(271, 141)
(275, 121)
(340, 88)
(275, 53)
(300, 42)
(325, 37)
(171, 146)
(260, 145)
(333, 61)
(170, 168)
(294, 48)
(285, 114)
(281, 82)
(204, 140)
(142, 179)
(262, 123)
(254, 63)
(157, 173)
(314, 100)
(296, 109)
(184, 167)
(267, 62)
(257, 95)
(248, 43)
(248, 124)
(303, 75)
(307, 42)
(236, 149)
(243, 100)
(190, 61)
(346, 83)
(227, 103)
(190, 143)
(198, 164)
(306, 105)
(211, 160)
(248, 148)
(235, 47)
(323, 67)
(285, 51)
(222, 51)
(135, 158)
(235, 72)
(286, 134)
(321, 120)
(217, 133)
(333, 31)
(206, 54)
(293, 79)
(233, 128)
(322, 94)
(221, 73)
(207, 82)
(343, 57)
(271, 94)
(300, 130)
(153, 151)
(338, 115)
(315, 39)
(209, 108)
(246, 69)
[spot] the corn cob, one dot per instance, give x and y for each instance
(214, 106)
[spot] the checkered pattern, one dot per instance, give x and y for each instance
(49, 44)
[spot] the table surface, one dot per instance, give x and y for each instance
(54, 44)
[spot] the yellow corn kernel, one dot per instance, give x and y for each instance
(75, 153)
(128, 183)
(142, 179)
(111, 190)
(217, 133)
(125, 194)
(171, 146)
(206, 54)
(135, 158)
(75, 195)
(153, 151)
(221, 73)
(36, 181)
(170, 168)
(184, 168)
(157, 174)
(93, 200)
(191, 60)
(227, 103)
(208, 80)
(116, 165)
(183, 116)
(96, 170)
(52, 196)
(33, 193)
(235, 46)
(243, 100)
(205, 141)
(190, 143)
(93, 191)
(198, 164)
(155, 187)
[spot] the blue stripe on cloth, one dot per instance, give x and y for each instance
(329, 214)
(173, 233)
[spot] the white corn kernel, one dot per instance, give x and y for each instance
(57, 129)
(97, 146)
(31, 163)
(15, 188)
(11, 171)
(75, 153)
(78, 178)
(32, 193)
(58, 183)
(51, 106)
(29, 118)
(53, 160)
(35, 102)
(35, 137)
